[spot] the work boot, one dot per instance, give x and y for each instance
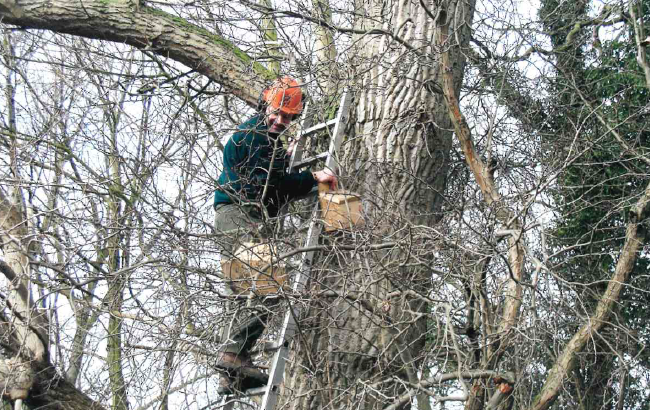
(251, 376)
(239, 374)
(227, 386)
(229, 363)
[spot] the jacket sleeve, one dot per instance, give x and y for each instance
(295, 184)
(282, 186)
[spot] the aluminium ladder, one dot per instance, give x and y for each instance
(289, 326)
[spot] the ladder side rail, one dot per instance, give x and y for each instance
(318, 127)
(315, 227)
(276, 374)
(289, 327)
(305, 122)
(337, 134)
(310, 160)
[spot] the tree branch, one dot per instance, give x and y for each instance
(146, 28)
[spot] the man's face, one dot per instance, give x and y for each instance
(276, 120)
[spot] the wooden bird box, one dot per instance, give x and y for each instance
(244, 270)
(341, 210)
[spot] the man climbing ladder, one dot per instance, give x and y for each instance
(252, 187)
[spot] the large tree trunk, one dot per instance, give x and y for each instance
(369, 339)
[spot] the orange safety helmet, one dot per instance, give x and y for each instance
(284, 95)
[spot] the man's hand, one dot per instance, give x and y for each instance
(326, 175)
(292, 145)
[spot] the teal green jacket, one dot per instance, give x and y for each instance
(249, 163)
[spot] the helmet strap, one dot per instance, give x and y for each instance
(261, 102)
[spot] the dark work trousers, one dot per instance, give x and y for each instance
(234, 225)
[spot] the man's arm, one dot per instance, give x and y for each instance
(282, 186)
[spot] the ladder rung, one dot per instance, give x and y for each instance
(318, 127)
(309, 161)
(258, 391)
(269, 346)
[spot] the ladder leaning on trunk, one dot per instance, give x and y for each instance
(289, 326)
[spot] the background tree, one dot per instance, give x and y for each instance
(582, 147)
(596, 190)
